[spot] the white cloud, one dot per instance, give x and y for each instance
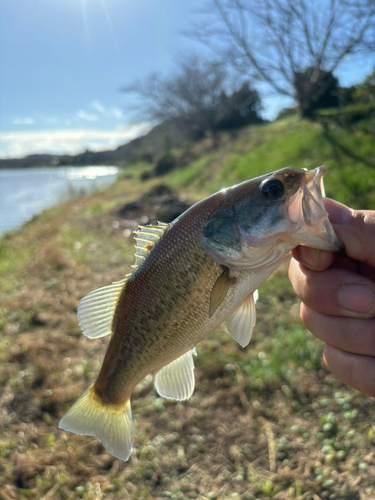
(101, 112)
(98, 106)
(112, 112)
(115, 112)
(18, 144)
(87, 116)
(23, 121)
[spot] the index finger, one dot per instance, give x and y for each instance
(316, 260)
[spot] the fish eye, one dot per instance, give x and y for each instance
(272, 188)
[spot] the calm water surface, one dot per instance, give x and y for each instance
(26, 192)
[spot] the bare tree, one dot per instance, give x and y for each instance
(277, 41)
(195, 97)
(191, 96)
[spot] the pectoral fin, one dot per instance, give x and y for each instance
(176, 380)
(241, 323)
(219, 291)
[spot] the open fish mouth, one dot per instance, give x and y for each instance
(316, 230)
(312, 201)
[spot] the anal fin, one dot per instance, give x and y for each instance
(176, 380)
(240, 324)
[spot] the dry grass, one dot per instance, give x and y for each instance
(264, 422)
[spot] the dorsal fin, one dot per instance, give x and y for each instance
(96, 309)
(146, 238)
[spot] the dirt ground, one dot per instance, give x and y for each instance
(242, 435)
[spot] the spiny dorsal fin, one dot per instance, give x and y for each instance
(146, 238)
(219, 291)
(96, 309)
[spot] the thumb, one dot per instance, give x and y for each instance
(355, 229)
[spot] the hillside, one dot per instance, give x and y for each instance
(345, 147)
(267, 421)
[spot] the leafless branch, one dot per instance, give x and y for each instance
(273, 40)
(196, 96)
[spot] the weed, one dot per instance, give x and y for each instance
(265, 422)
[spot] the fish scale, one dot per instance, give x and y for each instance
(188, 278)
(146, 324)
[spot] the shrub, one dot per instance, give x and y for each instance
(165, 164)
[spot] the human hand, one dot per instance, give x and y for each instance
(338, 296)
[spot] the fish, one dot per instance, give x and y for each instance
(189, 277)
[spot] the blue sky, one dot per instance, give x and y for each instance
(63, 62)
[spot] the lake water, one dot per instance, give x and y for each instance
(26, 192)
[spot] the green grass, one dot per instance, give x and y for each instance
(271, 403)
(347, 110)
(14, 258)
(187, 175)
(347, 152)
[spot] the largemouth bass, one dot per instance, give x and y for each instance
(189, 277)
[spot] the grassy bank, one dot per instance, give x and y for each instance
(267, 421)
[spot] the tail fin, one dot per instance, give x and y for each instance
(112, 425)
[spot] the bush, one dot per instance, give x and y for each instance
(239, 109)
(315, 89)
(165, 164)
(146, 175)
(365, 93)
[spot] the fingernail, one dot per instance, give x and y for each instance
(311, 256)
(357, 298)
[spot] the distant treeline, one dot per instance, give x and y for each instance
(145, 147)
(228, 112)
